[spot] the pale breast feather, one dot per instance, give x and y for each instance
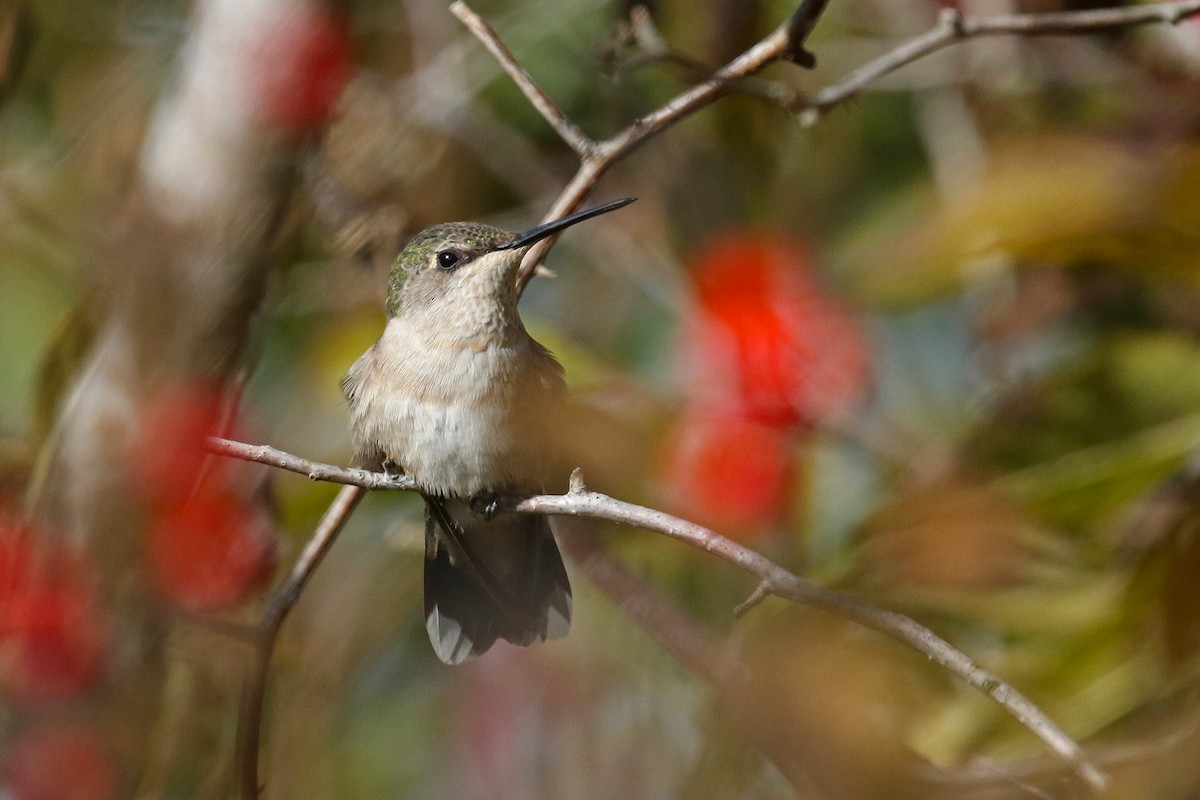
(456, 418)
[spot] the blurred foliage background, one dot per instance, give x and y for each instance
(938, 350)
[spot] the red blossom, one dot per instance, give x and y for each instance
(208, 546)
(733, 474)
(302, 68)
(60, 761)
(169, 451)
(53, 635)
(765, 339)
(209, 552)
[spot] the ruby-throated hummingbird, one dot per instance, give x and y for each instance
(457, 395)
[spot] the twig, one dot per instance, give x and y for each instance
(799, 27)
(655, 49)
(580, 502)
(249, 735)
(645, 33)
(314, 470)
(567, 130)
(760, 593)
(952, 28)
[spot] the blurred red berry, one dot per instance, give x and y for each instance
(207, 547)
(53, 635)
(209, 552)
(301, 70)
(16, 554)
(766, 339)
(52, 642)
(170, 448)
(60, 761)
(733, 474)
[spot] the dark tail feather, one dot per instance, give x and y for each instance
(489, 580)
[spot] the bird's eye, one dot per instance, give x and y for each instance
(447, 259)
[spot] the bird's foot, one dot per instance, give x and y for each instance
(486, 503)
(392, 468)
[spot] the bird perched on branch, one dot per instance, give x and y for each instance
(457, 395)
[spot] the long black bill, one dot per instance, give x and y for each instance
(542, 231)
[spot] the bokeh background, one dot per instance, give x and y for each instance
(937, 349)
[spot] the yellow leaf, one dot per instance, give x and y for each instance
(1051, 202)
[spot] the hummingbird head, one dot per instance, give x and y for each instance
(457, 263)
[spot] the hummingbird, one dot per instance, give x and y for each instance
(458, 396)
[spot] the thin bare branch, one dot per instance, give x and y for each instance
(653, 48)
(775, 46)
(580, 502)
(799, 27)
(645, 33)
(254, 691)
(314, 470)
(567, 130)
(953, 28)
